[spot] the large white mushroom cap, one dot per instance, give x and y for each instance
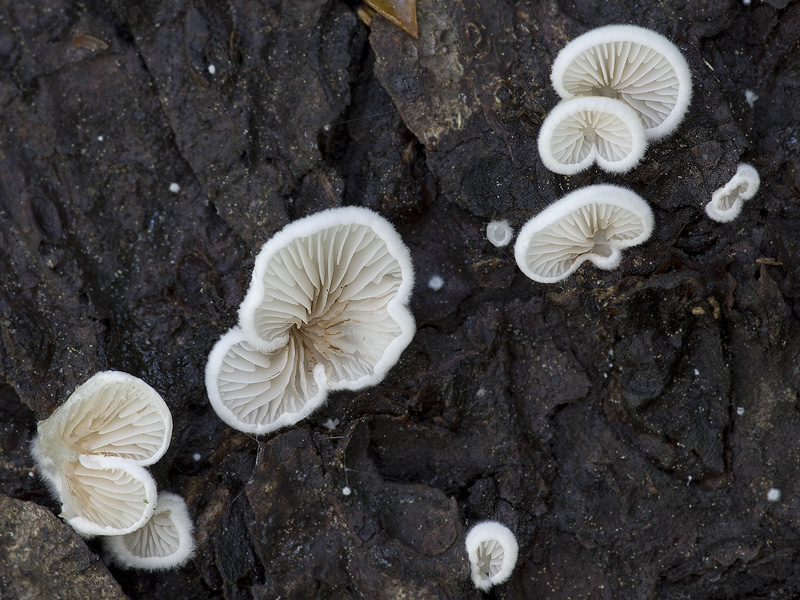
(585, 130)
(633, 64)
(593, 223)
(92, 449)
(326, 310)
(492, 551)
(726, 202)
(164, 542)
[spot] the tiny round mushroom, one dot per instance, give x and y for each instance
(166, 541)
(436, 282)
(492, 551)
(499, 233)
(633, 64)
(727, 202)
(594, 223)
(586, 130)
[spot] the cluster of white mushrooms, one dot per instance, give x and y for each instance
(327, 307)
(92, 452)
(621, 86)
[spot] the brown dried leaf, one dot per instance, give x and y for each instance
(402, 13)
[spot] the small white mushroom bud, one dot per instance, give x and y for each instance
(727, 202)
(492, 551)
(499, 233)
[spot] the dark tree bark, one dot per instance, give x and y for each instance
(627, 425)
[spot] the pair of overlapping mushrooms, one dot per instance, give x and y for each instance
(327, 308)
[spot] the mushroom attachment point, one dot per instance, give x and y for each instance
(726, 202)
(593, 223)
(587, 130)
(633, 64)
(492, 551)
(92, 451)
(499, 233)
(165, 542)
(327, 309)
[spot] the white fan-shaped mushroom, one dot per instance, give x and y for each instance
(326, 310)
(585, 130)
(112, 414)
(164, 542)
(492, 551)
(318, 273)
(633, 64)
(593, 223)
(104, 495)
(91, 450)
(258, 392)
(499, 233)
(726, 202)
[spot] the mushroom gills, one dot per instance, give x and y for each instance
(491, 555)
(594, 223)
(726, 201)
(166, 541)
(601, 246)
(630, 64)
(586, 130)
(608, 69)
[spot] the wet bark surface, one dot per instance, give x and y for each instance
(627, 425)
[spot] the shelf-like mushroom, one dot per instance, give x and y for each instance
(92, 449)
(105, 495)
(636, 65)
(112, 414)
(258, 392)
(327, 309)
(726, 202)
(166, 541)
(593, 223)
(584, 130)
(492, 551)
